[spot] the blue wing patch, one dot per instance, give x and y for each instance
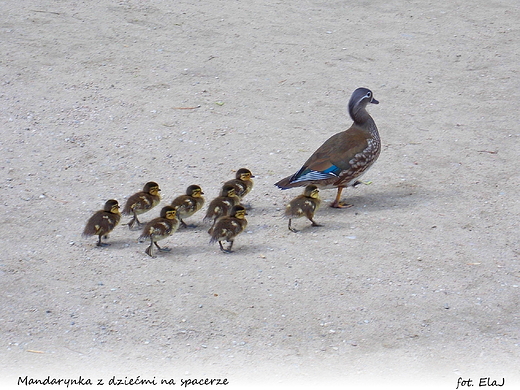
(333, 169)
(310, 175)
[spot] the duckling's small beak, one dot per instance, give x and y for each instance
(374, 101)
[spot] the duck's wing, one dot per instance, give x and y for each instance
(326, 164)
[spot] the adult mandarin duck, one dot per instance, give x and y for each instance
(345, 156)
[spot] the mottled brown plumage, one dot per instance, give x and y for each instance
(228, 227)
(188, 204)
(221, 205)
(242, 182)
(345, 156)
(141, 202)
(103, 221)
(304, 205)
(160, 228)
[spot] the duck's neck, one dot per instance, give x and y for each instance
(359, 114)
(363, 120)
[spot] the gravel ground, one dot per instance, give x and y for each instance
(416, 284)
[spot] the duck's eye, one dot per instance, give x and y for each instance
(369, 94)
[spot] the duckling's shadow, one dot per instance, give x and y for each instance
(239, 248)
(303, 226)
(193, 227)
(109, 244)
(175, 252)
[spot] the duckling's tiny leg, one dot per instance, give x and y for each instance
(135, 221)
(228, 250)
(149, 250)
(183, 224)
(290, 227)
(337, 202)
(221, 246)
(139, 224)
(314, 223)
(163, 249)
(100, 243)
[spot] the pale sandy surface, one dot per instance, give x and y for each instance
(418, 282)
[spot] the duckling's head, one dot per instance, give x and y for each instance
(151, 188)
(312, 191)
(169, 212)
(244, 174)
(112, 206)
(238, 212)
(228, 191)
(195, 191)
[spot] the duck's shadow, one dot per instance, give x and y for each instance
(396, 198)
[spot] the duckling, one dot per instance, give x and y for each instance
(103, 221)
(305, 204)
(188, 204)
(160, 228)
(345, 156)
(142, 202)
(228, 227)
(222, 204)
(242, 182)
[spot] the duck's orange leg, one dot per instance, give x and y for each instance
(337, 202)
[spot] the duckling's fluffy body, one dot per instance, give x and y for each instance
(226, 228)
(159, 229)
(304, 205)
(242, 182)
(103, 221)
(188, 204)
(141, 202)
(222, 205)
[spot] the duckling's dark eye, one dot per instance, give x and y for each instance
(369, 94)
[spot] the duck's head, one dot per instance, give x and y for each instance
(312, 191)
(151, 188)
(168, 212)
(362, 96)
(358, 102)
(195, 191)
(228, 191)
(112, 206)
(244, 174)
(238, 212)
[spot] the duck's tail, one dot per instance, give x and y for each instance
(286, 183)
